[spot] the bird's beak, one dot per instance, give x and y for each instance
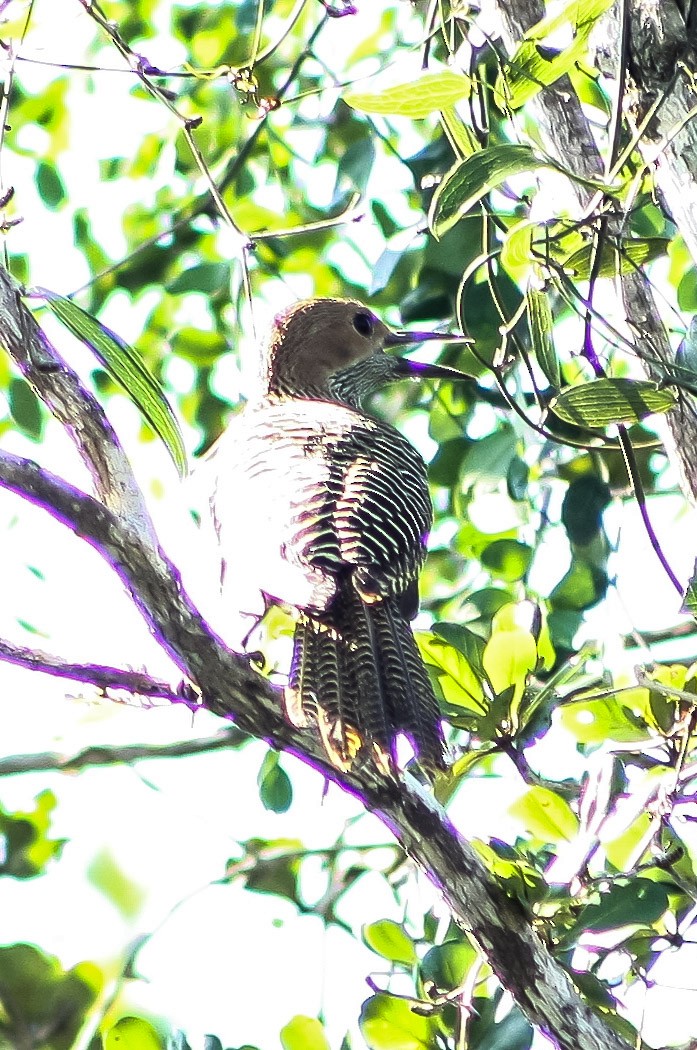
(403, 366)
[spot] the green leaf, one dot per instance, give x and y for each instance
(541, 324)
(106, 874)
(639, 903)
(39, 996)
(387, 1023)
(304, 1033)
(25, 408)
(208, 278)
(275, 788)
(507, 559)
(462, 138)
(198, 346)
(517, 257)
(460, 684)
(521, 879)
(418, 98)
(388, 939)
(533, 66)
(512, 1032)
(602, 402)
(594, 721)
(125, 365)
(50, 185)
(689, 604)
(546, 816)
(132, 1033)
(614, 260)
(471, 179)
(26, 846)
(509, 657)
(447, 964)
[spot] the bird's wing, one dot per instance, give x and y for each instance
(309, 491)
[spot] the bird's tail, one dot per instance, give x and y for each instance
(357, 674)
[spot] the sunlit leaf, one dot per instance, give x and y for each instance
(460, 684)
(462, 138)
(509, 657)
(133, 1033)
(541, 324)
(601, 402)
(304, 1033)
(418, 98)
(125, 365)
(390, 940)
(388, 1023)
(533, 65)
(546, 815)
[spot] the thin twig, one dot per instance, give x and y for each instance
(118, 754)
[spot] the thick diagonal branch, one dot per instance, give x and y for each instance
(229, 688)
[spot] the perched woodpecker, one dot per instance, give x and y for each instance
(325, 509)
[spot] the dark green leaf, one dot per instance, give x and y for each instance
(25, 408)
(508, 559)
(38, 995)
(471, 179)
(447, 964)
(602, 402)
(26, 846)
(275, 788)
(513, 1032)
(50, 185)
(125, 365)
(582, 587)
(639, 903)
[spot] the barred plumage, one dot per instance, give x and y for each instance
(323, 508)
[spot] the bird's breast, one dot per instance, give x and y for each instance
(308, 491)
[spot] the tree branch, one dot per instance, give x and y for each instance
(569, 137)
(118, 754)
(84, 420)
(230, 688)
(100, 675)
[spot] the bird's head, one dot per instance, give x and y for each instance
(336, 349)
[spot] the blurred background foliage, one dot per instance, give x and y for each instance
(184, 170)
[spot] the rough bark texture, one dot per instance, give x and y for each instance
(568, 137)
(62, 392)
(230, 688)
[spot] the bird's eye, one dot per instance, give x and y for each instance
(364, 323)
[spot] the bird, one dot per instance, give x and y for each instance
(323, 508)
